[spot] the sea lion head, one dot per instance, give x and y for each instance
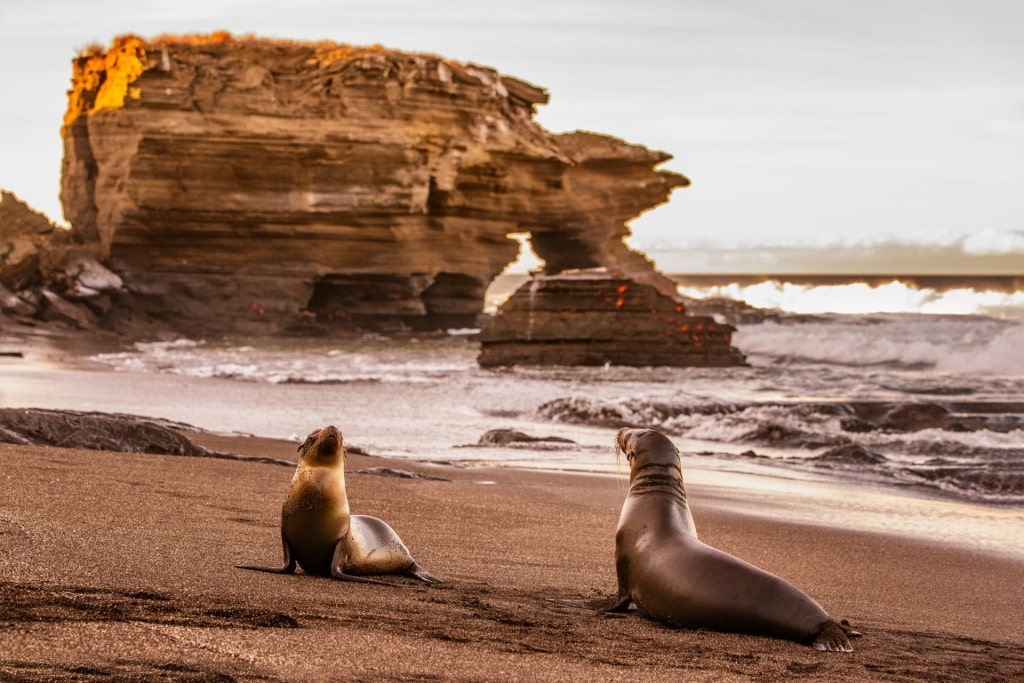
(644, 447)
(323, 447)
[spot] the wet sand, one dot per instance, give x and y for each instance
(122, 565)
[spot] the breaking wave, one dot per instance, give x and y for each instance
(973, 450)
(958, 345)
(372, 359)
(864, 298)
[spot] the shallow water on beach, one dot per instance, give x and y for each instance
(789, 436)
(917, 403)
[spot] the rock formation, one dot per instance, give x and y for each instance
(46, 274)
(250, 184)
(593, 318)
(97, 431)
(29, 243)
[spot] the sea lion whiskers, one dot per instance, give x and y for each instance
(618, 462)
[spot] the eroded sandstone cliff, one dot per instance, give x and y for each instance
(241, 183)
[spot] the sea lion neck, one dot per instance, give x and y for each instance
(656, 478)
(329, 459)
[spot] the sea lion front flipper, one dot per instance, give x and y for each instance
(833, 638)
(417, 572)
(288, 568)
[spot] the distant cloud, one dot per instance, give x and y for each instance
(986, 241)
(994, 242)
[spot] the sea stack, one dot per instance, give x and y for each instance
(260, 186)
(591, 317)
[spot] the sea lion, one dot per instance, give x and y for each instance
(676, 579)
(321, 536)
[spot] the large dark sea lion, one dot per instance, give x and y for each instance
(674, 578)
(321, 536)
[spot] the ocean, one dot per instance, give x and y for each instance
(928, 404)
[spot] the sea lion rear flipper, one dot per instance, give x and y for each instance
(417, 572)
(848, 630)
(608, 604)
(338, 561)
(832, 638)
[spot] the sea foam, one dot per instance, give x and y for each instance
(952, 344)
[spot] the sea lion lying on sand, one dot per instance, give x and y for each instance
(674, 578)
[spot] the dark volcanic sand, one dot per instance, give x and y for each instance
(121, 565)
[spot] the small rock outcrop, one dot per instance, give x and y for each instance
(256, 185)
(593, 318)
(46, 274)
(29, 244)
(96, 431)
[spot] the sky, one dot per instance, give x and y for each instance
(809, 129)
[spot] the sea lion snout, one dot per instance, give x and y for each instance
(326, 442)
(330, 434)
(625, 441)
(655, 445)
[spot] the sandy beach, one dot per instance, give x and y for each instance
(481, 262)
(120, 566)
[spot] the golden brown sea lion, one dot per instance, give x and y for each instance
(674, 578)
(321, 536)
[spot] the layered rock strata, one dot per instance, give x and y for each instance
(594, 318)
(254, 184)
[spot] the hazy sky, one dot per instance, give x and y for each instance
(800, 122)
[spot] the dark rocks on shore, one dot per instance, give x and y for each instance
(849, 454)
(95, 431)
(398, 474)
(108, 432)
(782, 436)
(952, 416)
(507, 437)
